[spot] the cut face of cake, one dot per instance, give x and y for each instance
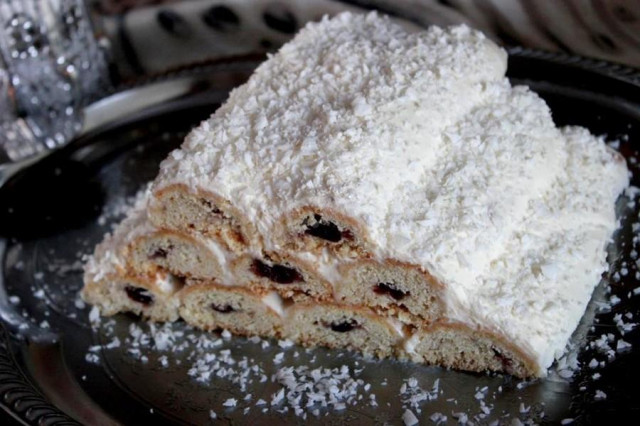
(177, 253)
(314, 229)
(242, 311)
(458, 346)
(292, 278)
(377, 190)
(393, 289)
(339, 326)
(201, 213)
(153, 297)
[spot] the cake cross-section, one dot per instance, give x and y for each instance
(380, 190)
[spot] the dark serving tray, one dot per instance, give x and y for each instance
(55, 210)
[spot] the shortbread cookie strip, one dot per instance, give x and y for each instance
(339, 326)
(180, 254)
(211, 306)
(458, 346)
(152, 297)
(315, 229)
(178, 208)
(291, 277)
(391, 288)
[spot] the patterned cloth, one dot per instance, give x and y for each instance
(604, 29)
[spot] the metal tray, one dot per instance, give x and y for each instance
(58, 208)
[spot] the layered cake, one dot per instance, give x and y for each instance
(378, 190)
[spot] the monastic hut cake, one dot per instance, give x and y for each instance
(384, 191)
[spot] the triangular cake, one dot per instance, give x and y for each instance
(379, 190)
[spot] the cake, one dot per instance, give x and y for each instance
(377, 190)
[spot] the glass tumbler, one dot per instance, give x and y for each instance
(51, 65)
